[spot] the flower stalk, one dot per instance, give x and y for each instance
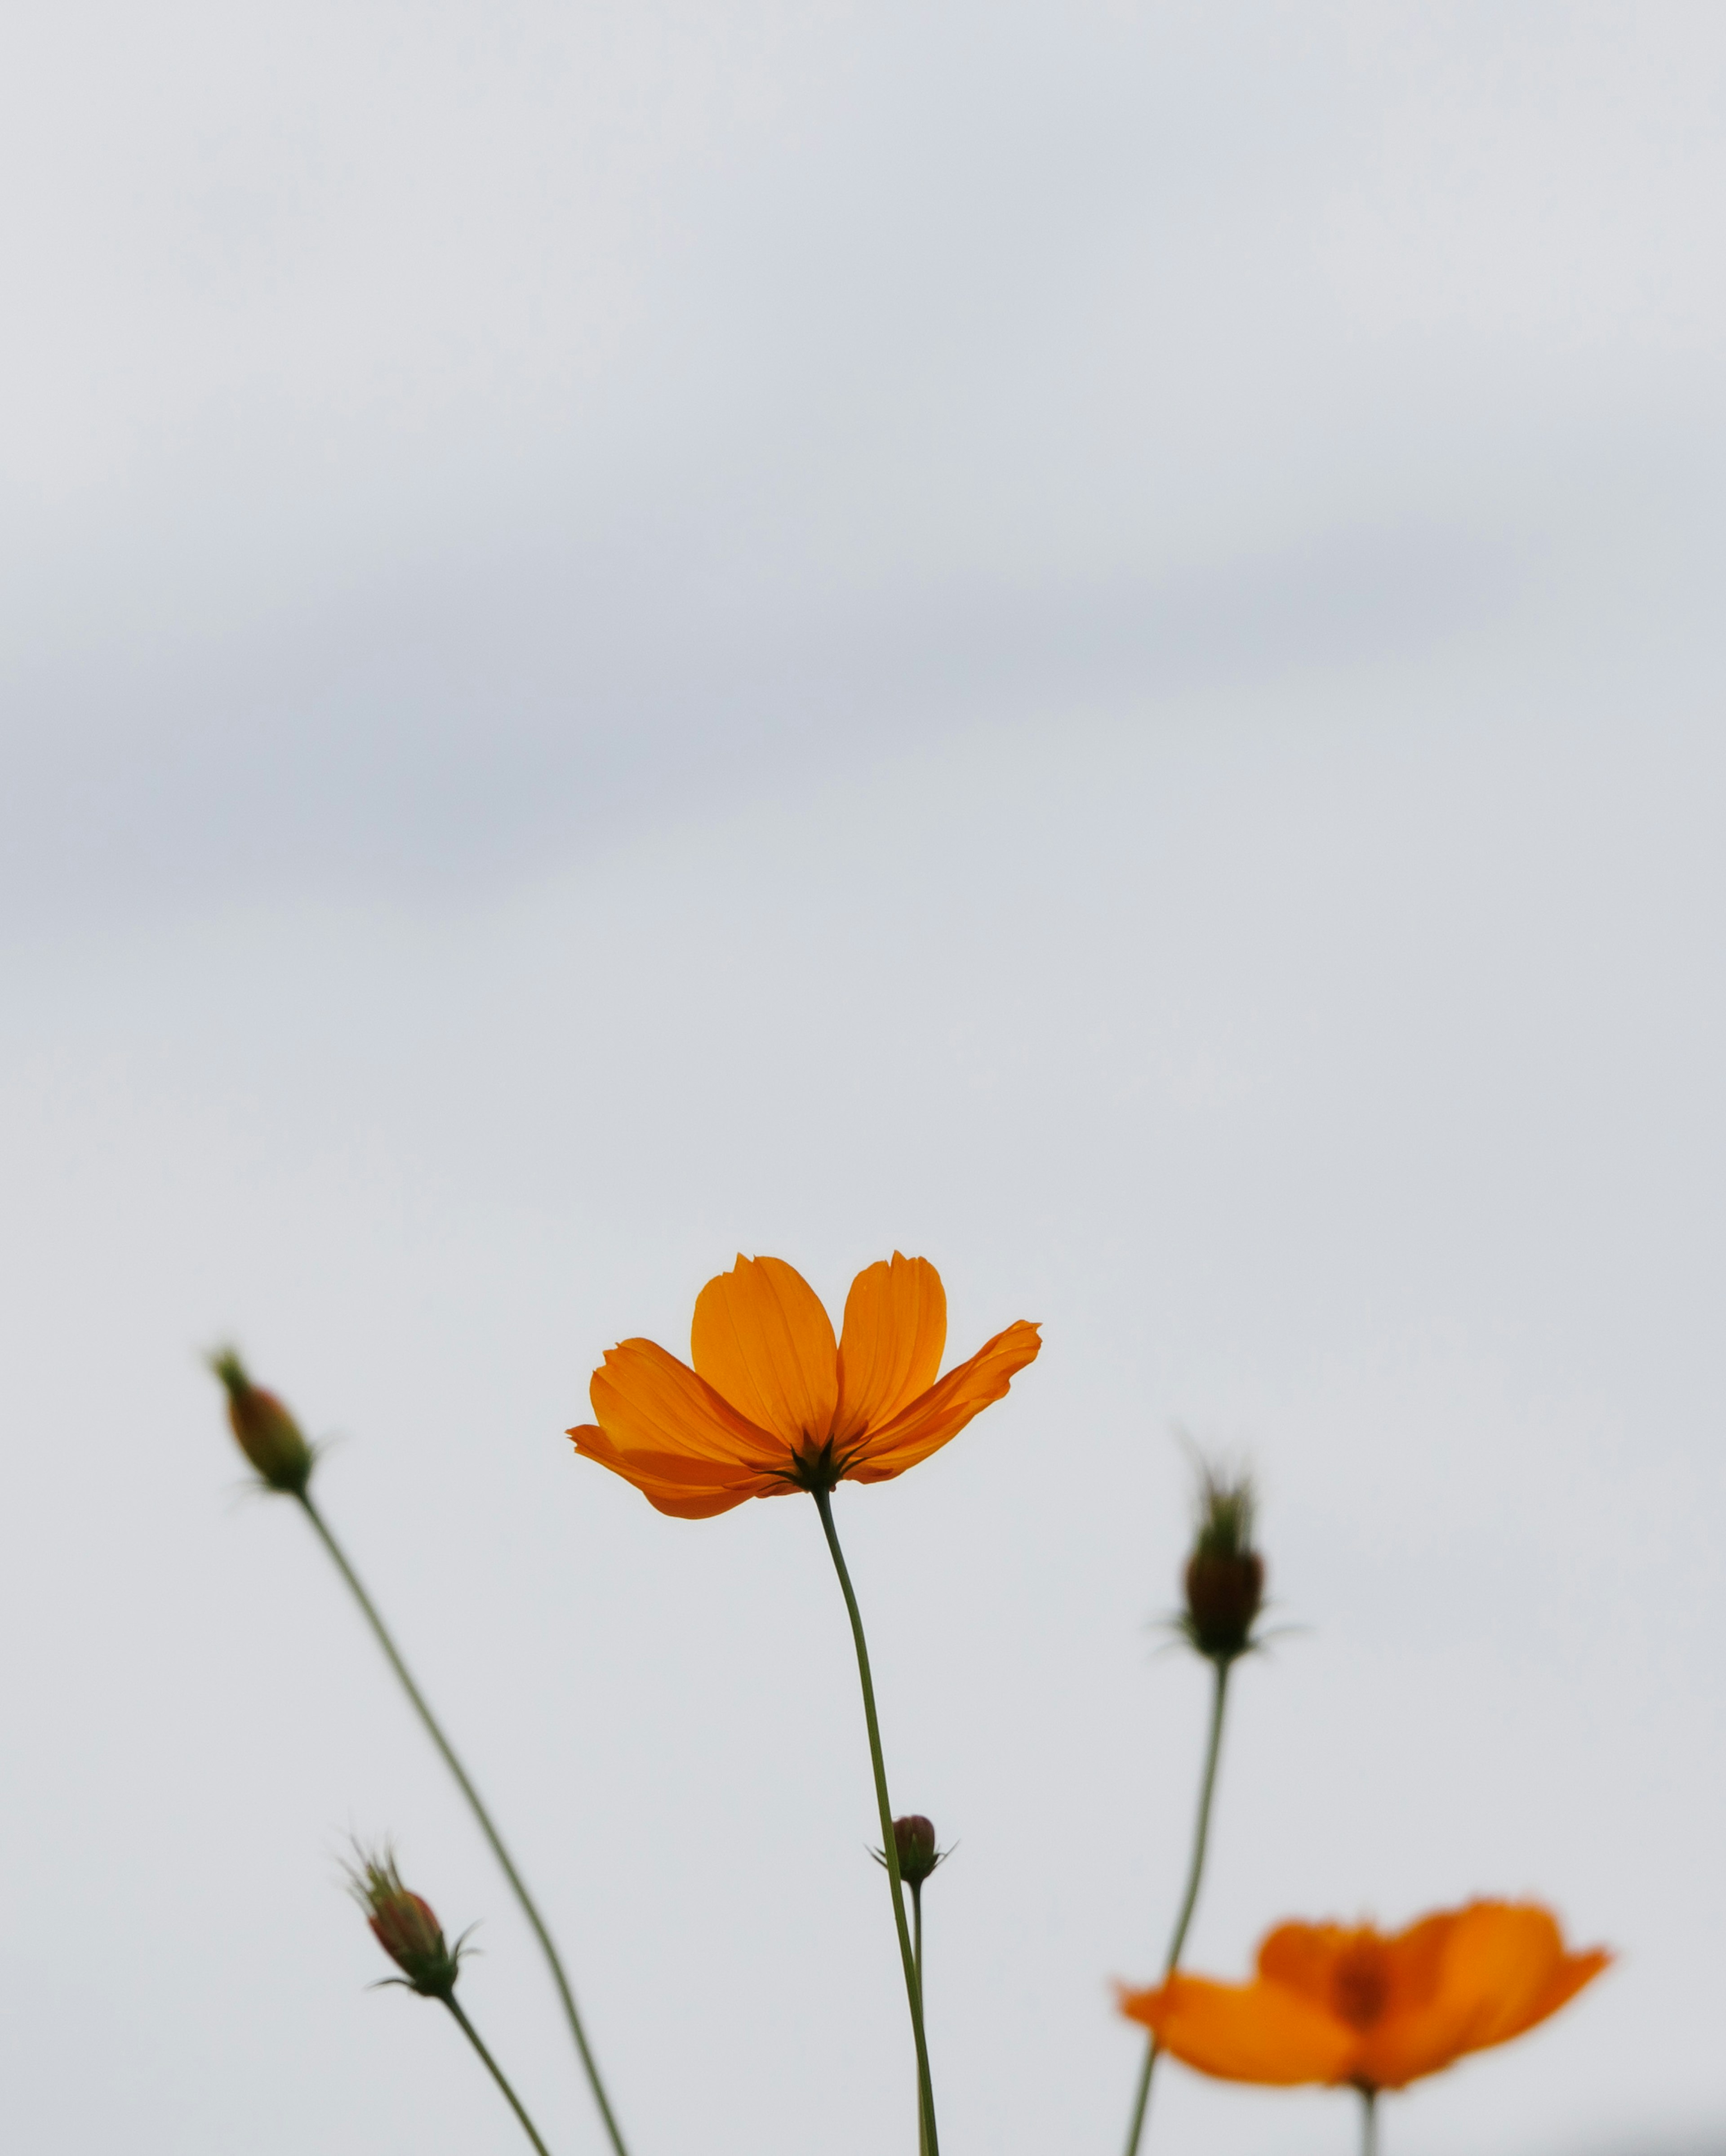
(1223, 1584)
(1189, 1900)
(446, 1751)
(496, 2072)
(919, 1858)
(889, 1845)
(406, 1926)
(916, 1958)
(277, 1449)
(1369, 2122)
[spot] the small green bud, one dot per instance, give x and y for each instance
(267, 1434)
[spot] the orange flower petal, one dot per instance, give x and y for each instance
(1503, 1969)
(762, 1339)
(689, 1489)
(1416, 1959)
(1572, 1973)
(890, 1346)
(647, 1401)
(943, 1412)
(1304, 1958)
(1262, 2032)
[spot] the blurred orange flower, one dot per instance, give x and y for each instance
(1335, 2005)
(773, 1403)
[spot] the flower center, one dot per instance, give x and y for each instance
(815, 1467)
(1360, 1984)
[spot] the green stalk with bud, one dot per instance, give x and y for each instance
(278, 1449)
(407, 1928)
(914, 1846)
(1225, 1588)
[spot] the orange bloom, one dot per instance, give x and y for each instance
(773, 1403)
(1334, 2005)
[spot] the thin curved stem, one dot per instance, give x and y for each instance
(1368, 2122)
(496, 2072)
(889, 1848)
(1195, 1873)
(368, 1608)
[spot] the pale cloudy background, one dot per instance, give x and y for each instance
(1080, 639)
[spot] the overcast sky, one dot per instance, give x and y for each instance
(1081, 640)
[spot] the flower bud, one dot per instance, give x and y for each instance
(405, 1927)
(914, 1845)
(268, 1435)
(1225, 1577)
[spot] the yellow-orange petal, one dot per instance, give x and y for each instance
(647, 1401)
(1535, 1975)
(1262, 2031)
(1503, 1969)
(688, 1488)
(890, 1345)
(943, 1412)
(1574, 1972)
(761, 1338)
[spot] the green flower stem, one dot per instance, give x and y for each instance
(394, 1658)
(496, 2072)
(889, 1847)
(916, 1956)
(1368, 2122)
(1201, 1836)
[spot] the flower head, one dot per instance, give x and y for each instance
(1225, 1577)
(773, 1403)
(404, 1926)
(266, 1432)
(1337, 2005)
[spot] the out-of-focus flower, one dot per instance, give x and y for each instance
(1341, 2006)
(1225, 1578)
(405, 1925)
(268, 1435)
(773, 1403)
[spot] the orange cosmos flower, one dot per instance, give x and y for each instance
(773, 1403)
(1334, 2005)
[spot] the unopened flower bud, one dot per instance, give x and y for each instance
(914, 1845)
(268, 1435)
(405, 1927)
(914, 1839)
(1225, 1578)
